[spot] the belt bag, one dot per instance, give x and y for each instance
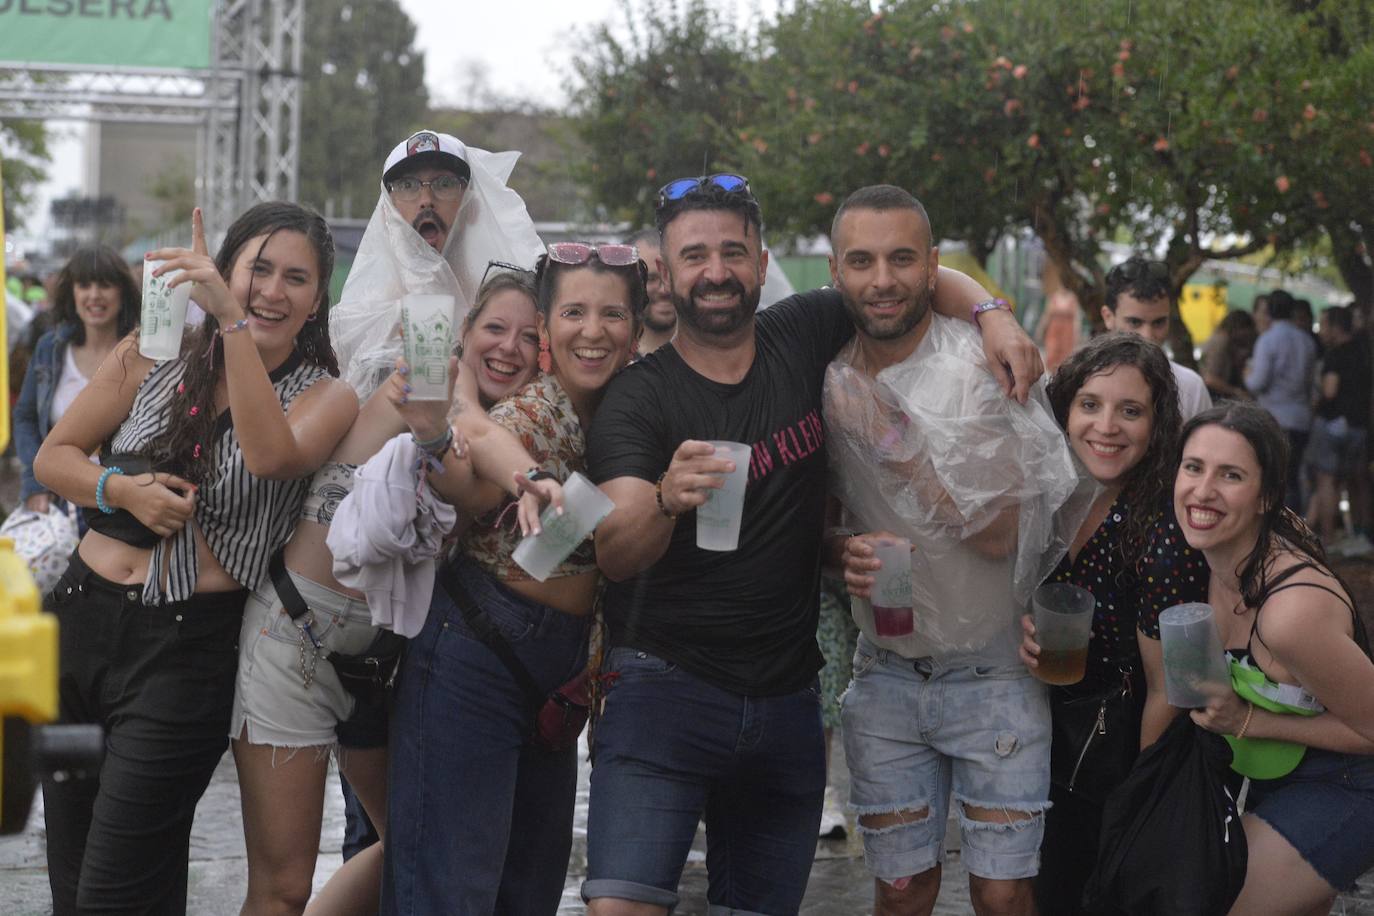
(558, 717)
(367, 675)
(1096, 738)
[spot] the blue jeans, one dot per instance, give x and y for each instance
(478, 821)
(670, 746)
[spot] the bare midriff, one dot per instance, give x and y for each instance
(128, 565)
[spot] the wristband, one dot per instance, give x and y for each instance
(100, 490)
(658, 497)
(538, 473)
(987, 305)
(437, 445)
(236, 326)
(1249, 713)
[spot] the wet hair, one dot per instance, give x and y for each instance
(1280, 528)
(1340, 318)
(547, 271)
(711, 197)
(882, 197)
(1140, 278)
(102, 265)
(498, 282)
(1147, 486)
(175, 450)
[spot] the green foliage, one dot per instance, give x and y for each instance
(24, 148)
(1206, 130)
(364, 92)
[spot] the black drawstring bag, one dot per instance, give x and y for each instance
(1172, 842)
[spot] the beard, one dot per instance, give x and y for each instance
(431, 227)
(717, 321)
(653, 323)
(883, 328)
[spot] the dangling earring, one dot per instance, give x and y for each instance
(313, 315)
(545, 356)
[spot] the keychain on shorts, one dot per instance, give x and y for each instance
(308, 670)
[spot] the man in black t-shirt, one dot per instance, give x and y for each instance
(1336, 451)
(711, 702)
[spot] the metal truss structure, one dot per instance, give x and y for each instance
(246, 106)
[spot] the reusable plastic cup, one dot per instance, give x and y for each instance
(1063, 624)
(163, 318)
(891, 596)
(584, 506)
(1194, 660)
(718, 520)
(428, 323)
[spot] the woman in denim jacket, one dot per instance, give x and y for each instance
(96, 304)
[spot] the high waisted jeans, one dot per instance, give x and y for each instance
(160, 680)
(479, 822)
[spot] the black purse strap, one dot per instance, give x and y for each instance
(290, 597)
(489, 636)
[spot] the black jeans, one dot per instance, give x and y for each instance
(160, 681)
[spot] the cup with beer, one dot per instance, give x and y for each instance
(1063, 624)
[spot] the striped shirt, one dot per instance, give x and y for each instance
(244, 518)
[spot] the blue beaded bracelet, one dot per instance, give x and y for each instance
(100, 490)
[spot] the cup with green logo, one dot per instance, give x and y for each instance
(427, 323)
(584, 506)
(163, 316)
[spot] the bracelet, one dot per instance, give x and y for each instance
(236, 326)
(437, 445)
(658, 497)
(987, 305)
(538, 473)
(1249, 713)
(100, 490)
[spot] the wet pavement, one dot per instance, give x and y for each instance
(839, 883)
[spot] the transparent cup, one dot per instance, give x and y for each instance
(1195, 666)
(718, 520)
(584, 506)
(162, 319)
(1063, 625)
(427, 321)
(891, 595)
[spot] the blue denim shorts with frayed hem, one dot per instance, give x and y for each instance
(1325, 810)
(913, 730)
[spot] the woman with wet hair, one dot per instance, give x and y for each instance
(95, 304)
(1300, 716)
(204, 460)
(1118, 404)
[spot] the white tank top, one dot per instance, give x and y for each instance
(68, 386)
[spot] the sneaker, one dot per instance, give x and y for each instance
(832, 817)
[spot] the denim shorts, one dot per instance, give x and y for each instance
(271, 697)
(1336, 448)
(670, 748)
(913, 730)
(1325, 809)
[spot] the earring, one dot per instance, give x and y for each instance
(545, 356)
(313, 315)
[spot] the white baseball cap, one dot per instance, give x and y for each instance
(427, 147)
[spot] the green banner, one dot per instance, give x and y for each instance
(117, 33)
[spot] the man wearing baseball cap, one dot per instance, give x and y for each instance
(427, 175)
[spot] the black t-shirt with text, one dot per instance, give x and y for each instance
(743, 620)
(1350, 362)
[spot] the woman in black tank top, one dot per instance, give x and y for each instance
(1311, 831)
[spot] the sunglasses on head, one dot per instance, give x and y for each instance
(578, 253)
(683, 187)
(505, 267)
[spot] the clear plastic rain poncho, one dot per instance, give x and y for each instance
(393, 260)
(985, 489)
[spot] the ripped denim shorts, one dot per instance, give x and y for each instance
(914, 730)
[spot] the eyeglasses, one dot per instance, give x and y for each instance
(445, 187)
(524, 273)
(577, 253)
(682, 187)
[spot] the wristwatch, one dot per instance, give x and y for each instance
(988, 305)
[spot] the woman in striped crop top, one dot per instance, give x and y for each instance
(206, 458)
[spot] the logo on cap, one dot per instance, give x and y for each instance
(423, 142)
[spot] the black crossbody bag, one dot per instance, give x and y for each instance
(1096, 736)
(368, 675)
(557, 717)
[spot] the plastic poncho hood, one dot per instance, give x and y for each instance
(393, 261)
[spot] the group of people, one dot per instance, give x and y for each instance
(275, 502)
